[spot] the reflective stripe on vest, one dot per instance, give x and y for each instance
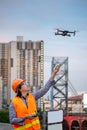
(27, 125)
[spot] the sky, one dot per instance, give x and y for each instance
(38, 19)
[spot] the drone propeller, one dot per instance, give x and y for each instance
(57, 30)
(74, 33)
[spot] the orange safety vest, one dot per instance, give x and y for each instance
(22, 110)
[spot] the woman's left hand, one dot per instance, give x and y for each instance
(55, 70)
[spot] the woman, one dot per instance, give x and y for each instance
(22, 108)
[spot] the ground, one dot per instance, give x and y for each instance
(5, 126)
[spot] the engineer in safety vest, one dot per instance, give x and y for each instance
(22, 108)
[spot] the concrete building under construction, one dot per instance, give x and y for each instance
(21, 59)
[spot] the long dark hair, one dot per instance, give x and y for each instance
(18, 90)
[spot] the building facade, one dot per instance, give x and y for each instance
(22, 59)
(4, 72)
(0, 93)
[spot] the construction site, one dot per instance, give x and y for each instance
(25, 59)
(73, 106)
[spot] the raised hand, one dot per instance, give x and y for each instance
(55, 70)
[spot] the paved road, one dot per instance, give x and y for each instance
(5, 126)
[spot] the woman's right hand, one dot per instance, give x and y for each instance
(30, 116)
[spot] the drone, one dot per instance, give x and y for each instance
(64, 32)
